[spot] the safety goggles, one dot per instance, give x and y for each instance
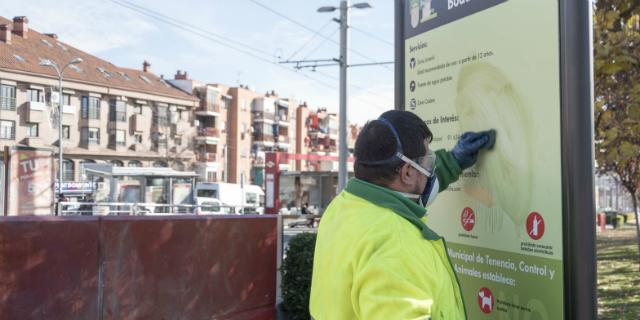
(425, 164)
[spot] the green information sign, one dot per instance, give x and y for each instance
(472, 65)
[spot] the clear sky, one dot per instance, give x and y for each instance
(199, 35)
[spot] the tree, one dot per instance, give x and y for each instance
(617, 93)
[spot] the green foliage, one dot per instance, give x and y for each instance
(296, 270)
(617, 92)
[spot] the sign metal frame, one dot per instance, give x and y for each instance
(577, 148)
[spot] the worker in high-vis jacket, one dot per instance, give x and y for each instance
(375, 258)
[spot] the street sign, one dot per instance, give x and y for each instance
(520, 240)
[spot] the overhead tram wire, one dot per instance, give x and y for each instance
(211, 37)
(373, 36)
(316, 48)
(282, 15)
(159, 14)
(309, 40)
(326, 75)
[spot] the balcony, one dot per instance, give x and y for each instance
(282, 139)
(208, 109)
(260, 116)
(8, 103)
(117, 120)
(263, 139)
(208, 136)
(283, 142)
(36, 111)
(282, 120)
(33, 142)
(208, 157)
(67, 109)
(137, 123)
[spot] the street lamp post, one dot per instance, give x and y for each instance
(344, 64)
(60, 72)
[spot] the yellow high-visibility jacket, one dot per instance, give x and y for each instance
(376, 259)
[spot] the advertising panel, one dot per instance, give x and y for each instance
(31, 181)
(479, 65)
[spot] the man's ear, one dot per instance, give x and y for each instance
(406, 174)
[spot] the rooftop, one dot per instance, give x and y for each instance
(24, 54)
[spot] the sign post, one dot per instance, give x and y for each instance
(521, 223)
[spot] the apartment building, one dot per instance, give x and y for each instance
(274, 130)
(211, 118)
(110, 114)
(241, 131)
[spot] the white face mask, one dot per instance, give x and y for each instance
(429, 193)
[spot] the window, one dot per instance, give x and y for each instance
(211, 177)
(184, 115)
(244, 131)
(208, 193)
(145, 79)
(104, 72)
(117, 137)
(90, 108)
(66, 99)
(47, 43)
(82, 165)
(117, 110)
(124, 75)
(243, 103)
(7, 129)
(32, 130)
(91, 135)
(19, 58)
(67, 170)
(178, 166)
(76, 68)
(7, 97)
(160, 164)
(161, 116)
(160, 141)
(34, 95)
(117, 163)
(62, 46)
(134, 163)
(137, 138)
(66, 132)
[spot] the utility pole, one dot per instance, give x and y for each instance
(60, 72)
(344, 63)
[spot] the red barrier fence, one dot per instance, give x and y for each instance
(196, 267)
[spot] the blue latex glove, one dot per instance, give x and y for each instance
(469, 145)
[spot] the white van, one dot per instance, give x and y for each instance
(249, 199)
(211, 206)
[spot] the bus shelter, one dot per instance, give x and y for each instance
(165, 187)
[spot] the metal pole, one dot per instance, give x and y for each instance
(344, 62)
(60, 142)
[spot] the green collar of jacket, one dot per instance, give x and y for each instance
(393, 201)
